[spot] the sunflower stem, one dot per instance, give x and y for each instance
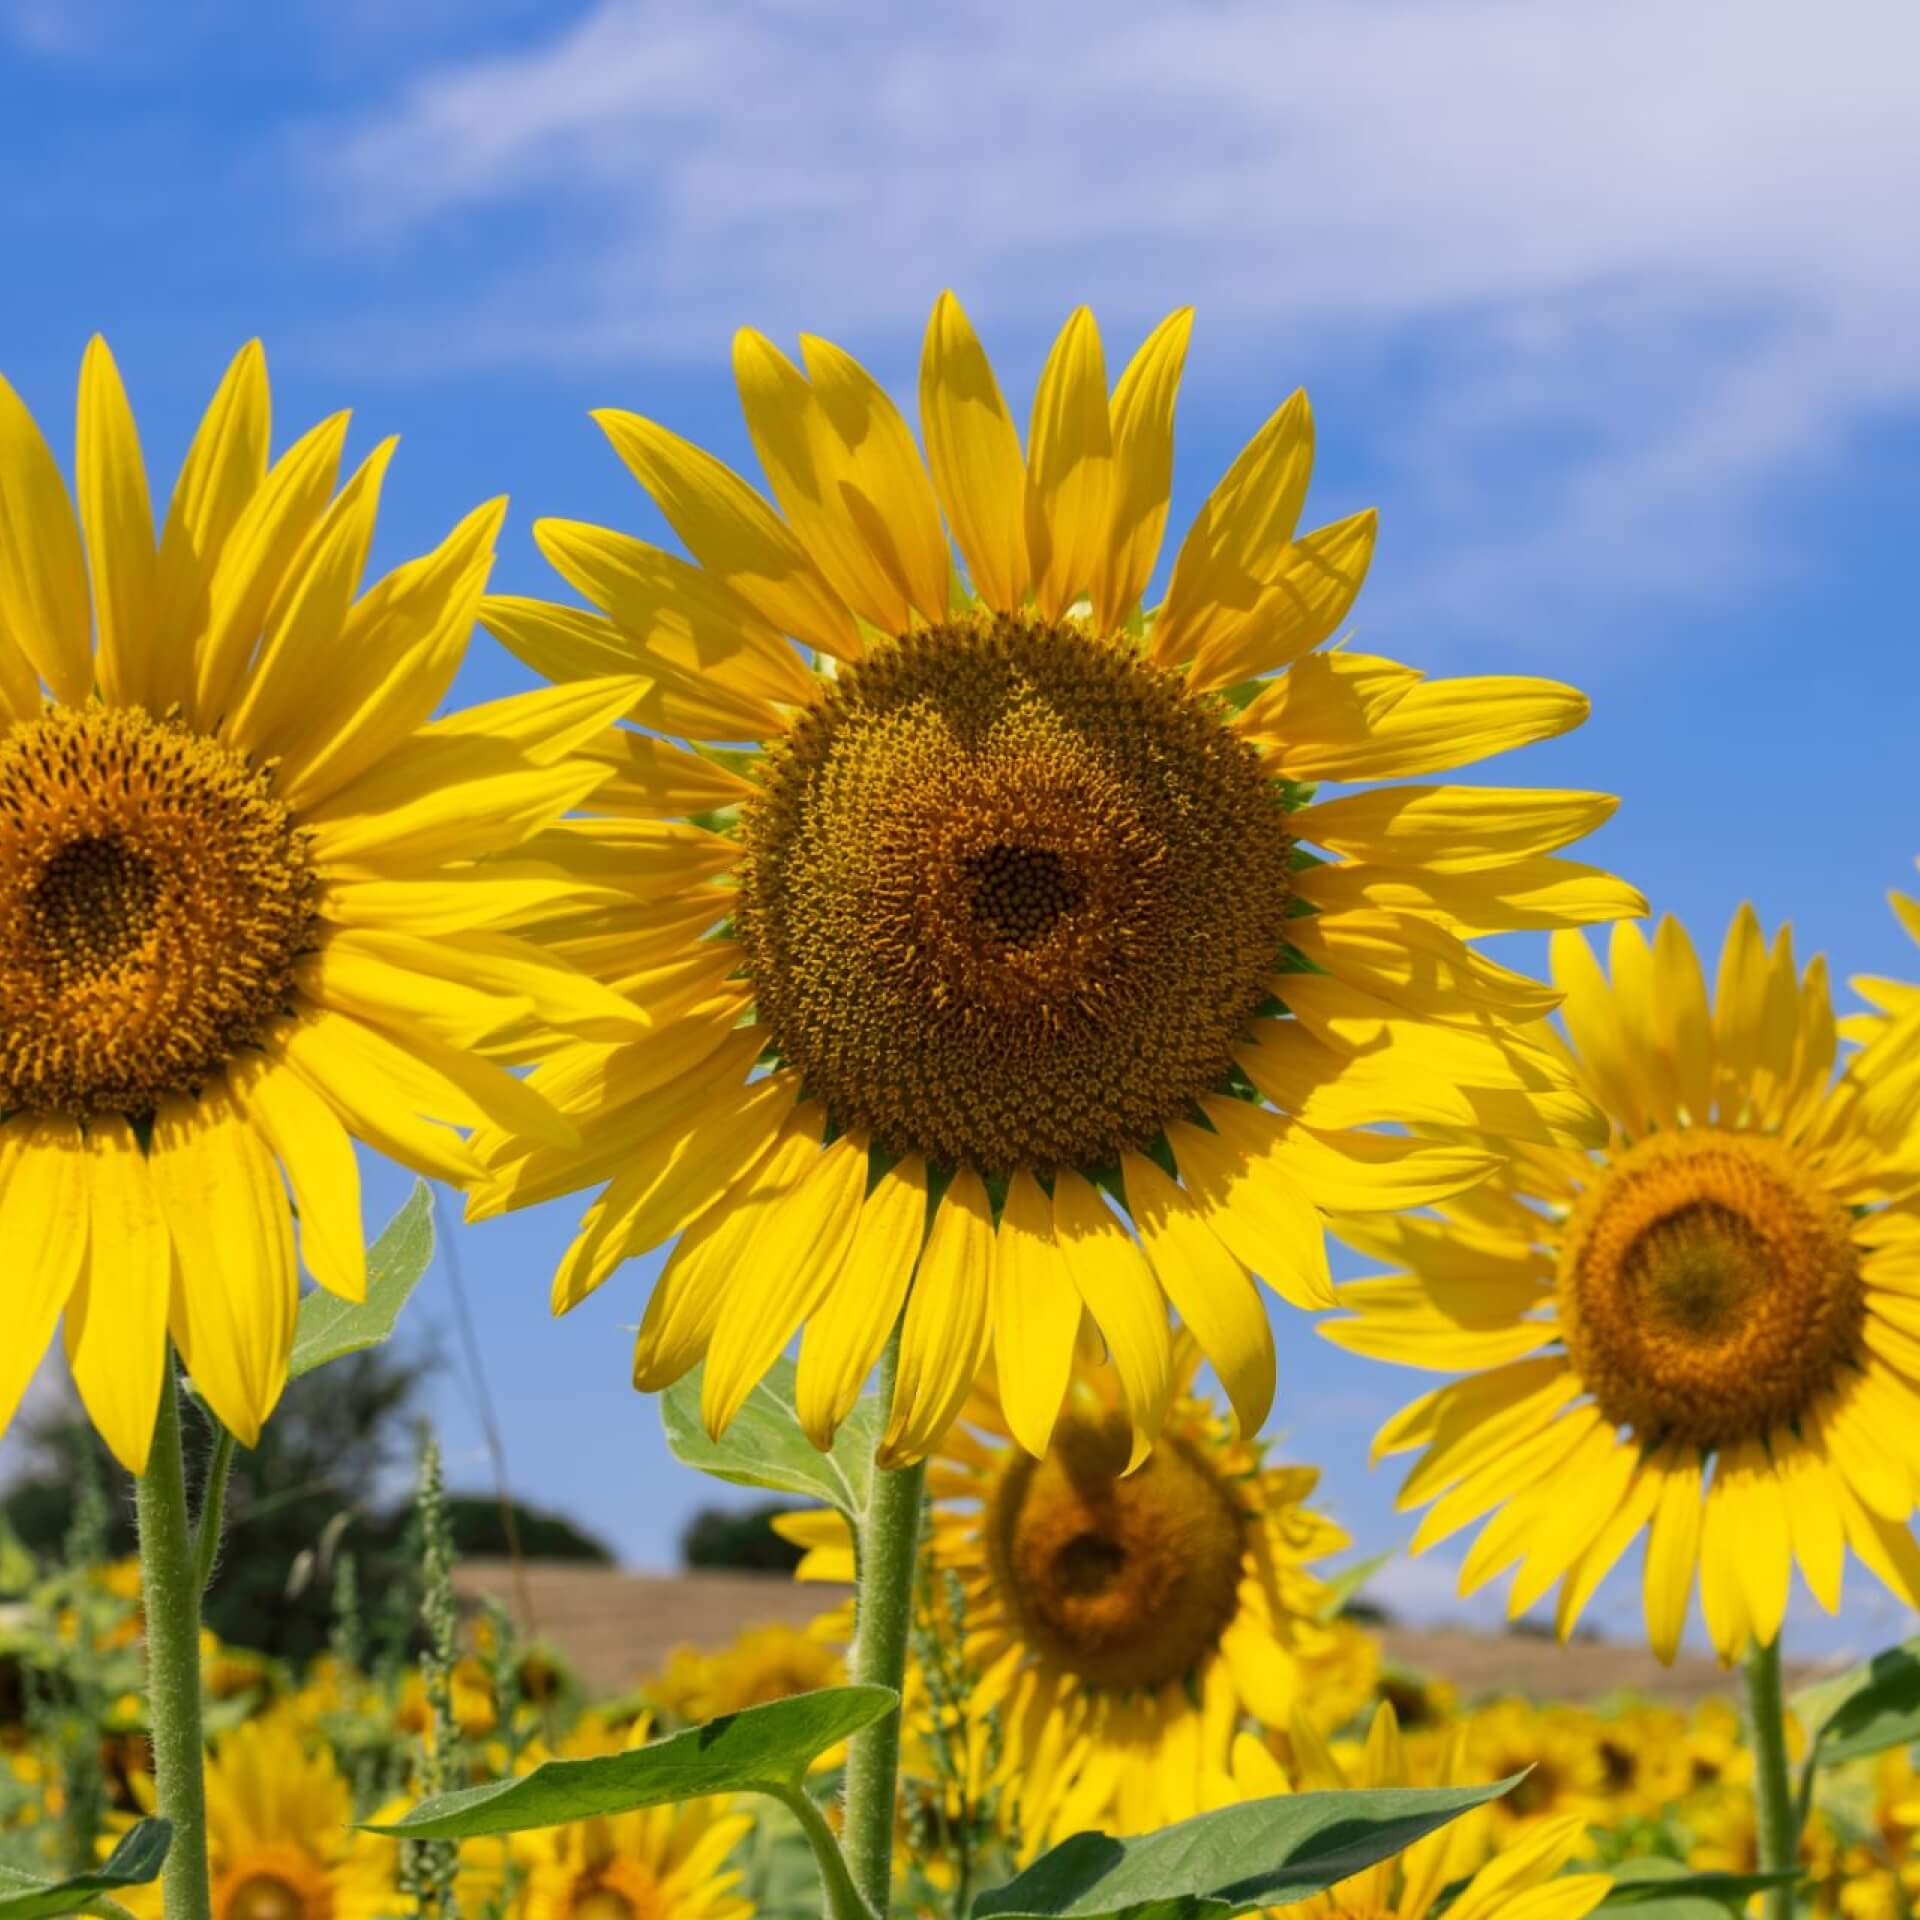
(843, 1897)
(172, 1595)
(1772, 1786)
(889, 1540)
(213, 1505)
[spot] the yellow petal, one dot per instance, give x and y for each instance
(304, 623)
(118, 520)
(116, 1323)
(1121, 1293)
(1250, 1200)
(1432, 727)
(1231, 552)
(734, 534)
(784, 1271)
(1069, 468)
(944, 1336)
(226, 1213)
(315, 1149)
(1819, 1540)
(1673, 1548)
(845, 1336)
(268, 533)
(1036, 1315)
(223, 470)
(1143, 405)
(1452, 829)
(884, 484)
(1211, 1291)
(1684, 1019)
(43, 571)
(390, 663)
(654, 779)
(973, 454)
(1422, 967)
(1353, 1172)
(43, 1193)
(1601, 1045)
(1537, 893)
(1312, 590)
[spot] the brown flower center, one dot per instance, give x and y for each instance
(1011, 895)
(1126, 1582)
(1709, 1288)
(154, 895)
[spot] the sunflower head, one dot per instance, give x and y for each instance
(253, 900)
(1700, 1331)
(1004, 960)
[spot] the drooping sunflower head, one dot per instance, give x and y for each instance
(1702, 1331)
(251, 901)
(1002, 957)
(1116, 1623)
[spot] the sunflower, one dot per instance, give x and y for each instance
(1122, 1622)
(1557, 1748)
(1523, 1881)
(997, 949)
(762, 1663)
(659, 1863)
(1707, 1331)
(249, 908)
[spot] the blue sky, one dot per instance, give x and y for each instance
(1610, 308)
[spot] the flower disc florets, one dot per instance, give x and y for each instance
(1012, 895)
(154, 896)
(1710, 1290)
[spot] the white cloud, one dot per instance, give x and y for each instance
(1666, 242)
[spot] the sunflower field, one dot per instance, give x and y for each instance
(980, 992)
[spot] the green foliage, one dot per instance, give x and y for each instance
(739, 1540)
(1252, 1855)
(764, 1446)
(329, 1328)
(135, 1862)
(758, 1750)
(1665, 1890)
(1874, 1706)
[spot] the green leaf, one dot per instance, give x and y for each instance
(1666, 1890)
(133, 1863)
(757, 1750)
(329, 1328)
(764, 1446)
(1871, 1708)
(1232, 1860)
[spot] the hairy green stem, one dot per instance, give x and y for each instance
(172, 1593)
(1779, 1830)
(889, 1540)
(213, 1506)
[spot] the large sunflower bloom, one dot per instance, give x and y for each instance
(1705, 1332)
(1122, 1624)
(244, 910)
(1003, 955)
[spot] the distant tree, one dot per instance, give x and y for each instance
(741, 1540)
(312, 1489)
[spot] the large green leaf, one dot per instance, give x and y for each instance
(758, 1750)
(133, 1863)
(1666, 1890)
(1252, 1855)
(1874, 1706)
(329, 1328)
(764, 1447)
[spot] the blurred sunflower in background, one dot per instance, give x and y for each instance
(1705, 1332)
(1000, 956)
(1122, 1624)
(248, 905)
(1449, 1870)
(657, 1863)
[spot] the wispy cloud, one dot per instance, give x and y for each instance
(1658, 244)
